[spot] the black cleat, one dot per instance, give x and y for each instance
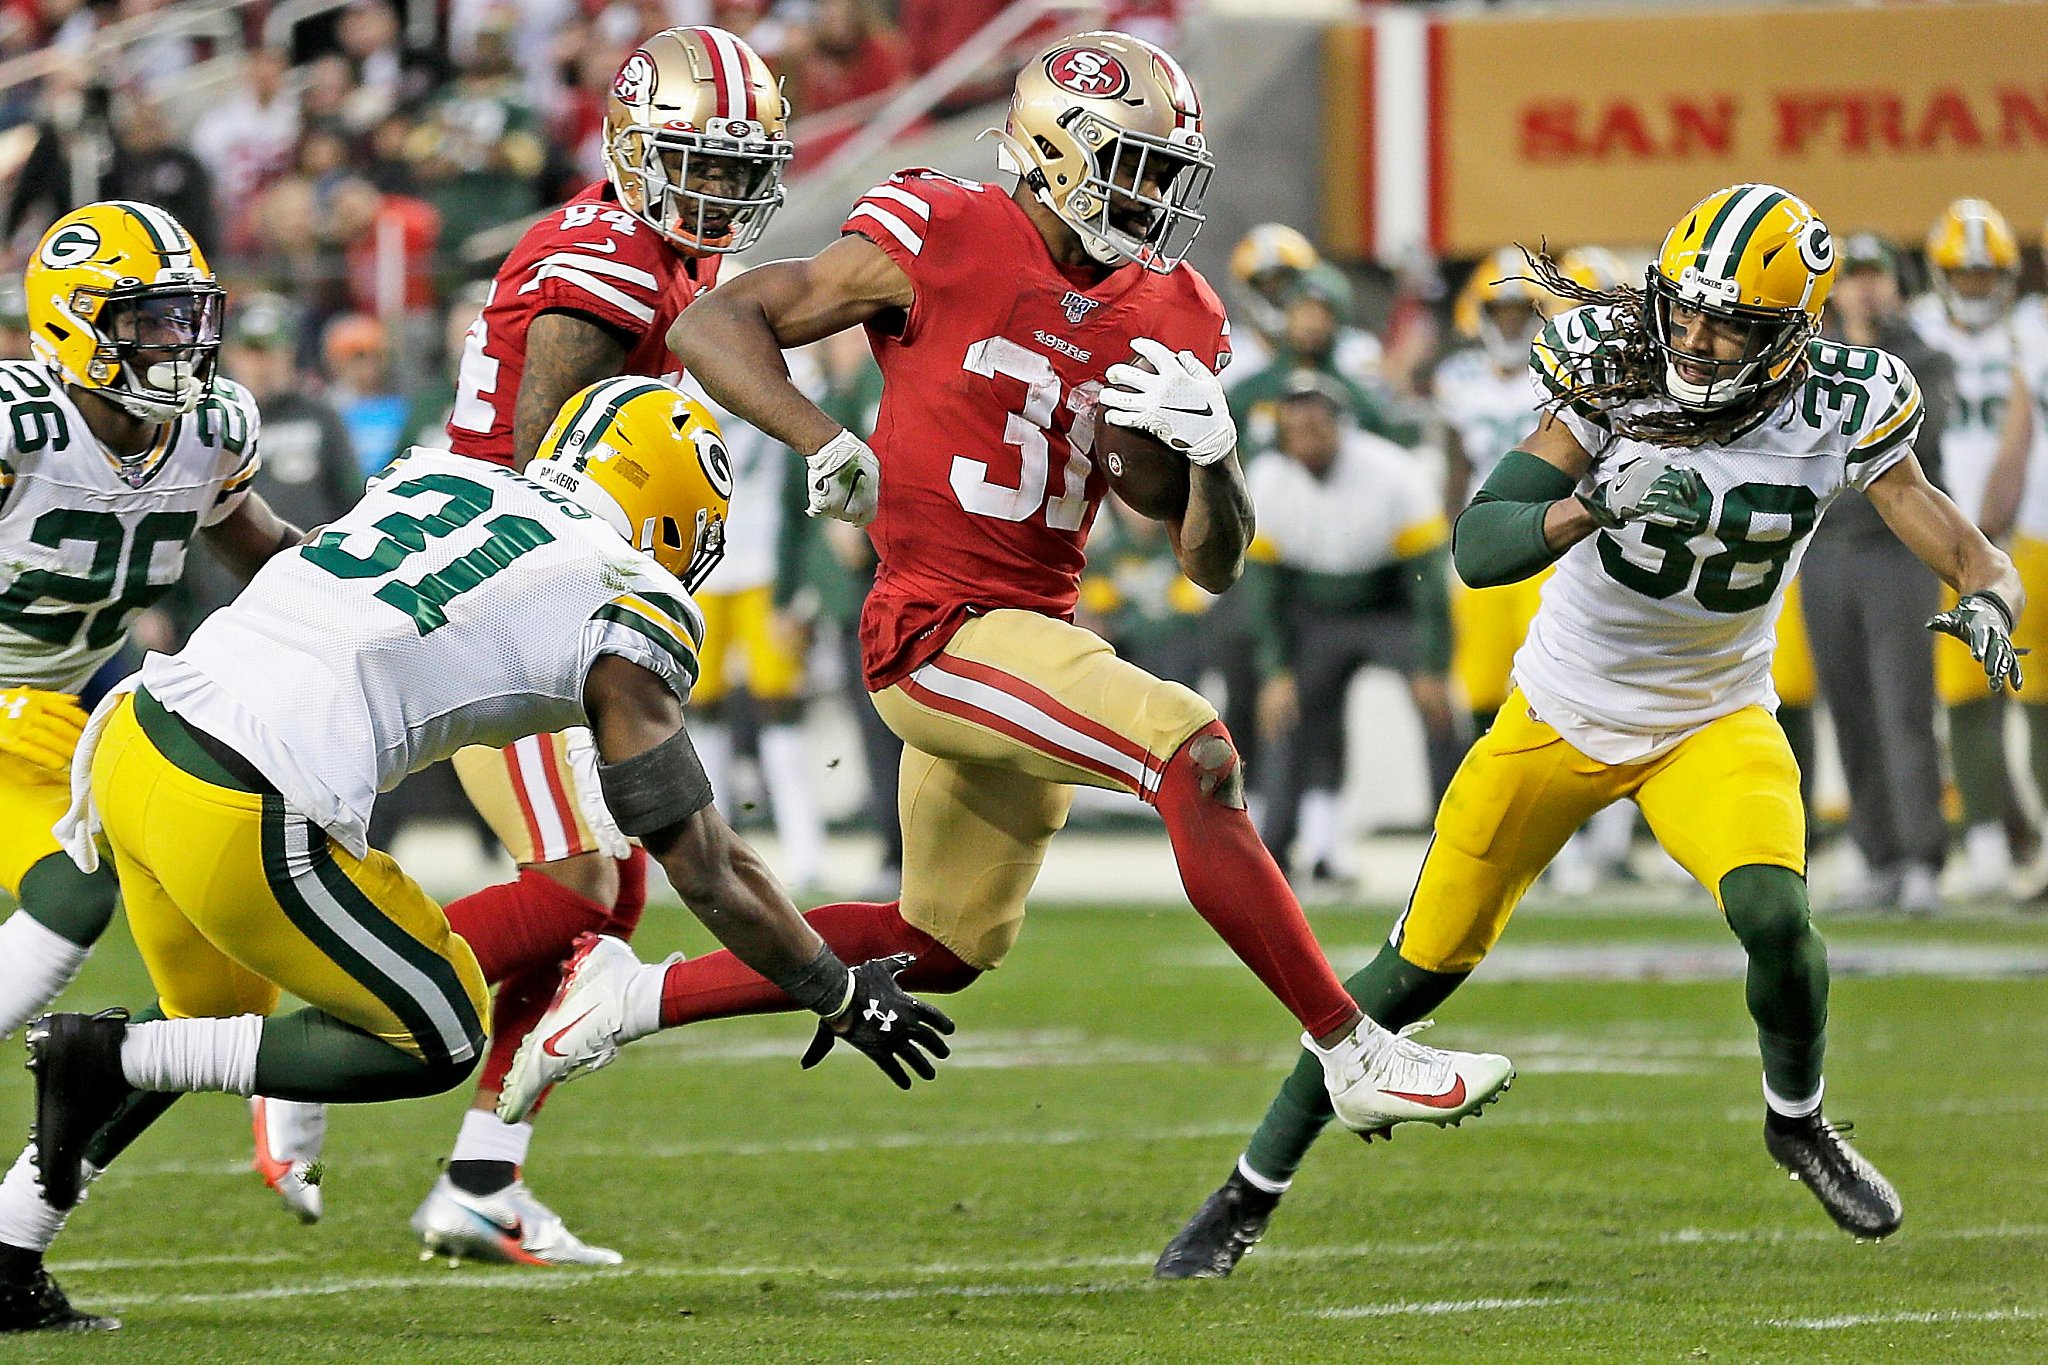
(38, 1305)
(76, 1059)
(1229, 1223)
(1861, 1201)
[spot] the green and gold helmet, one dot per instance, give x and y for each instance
(1753, 257)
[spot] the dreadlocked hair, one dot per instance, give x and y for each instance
(1629, 368)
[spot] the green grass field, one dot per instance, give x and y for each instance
(1617, 1205)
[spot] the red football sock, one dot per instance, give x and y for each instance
(517, 1007)
(1238, 888)
(632, 898)
(519, 925)
(720, 986)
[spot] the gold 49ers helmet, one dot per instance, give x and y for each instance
(1756, 260)
(1106, 131)
(1975, 260)
(1502, 306)
(694, 139)
(122, 304)
(648, 460)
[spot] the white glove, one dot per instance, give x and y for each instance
(845, 480)
(1181, 404)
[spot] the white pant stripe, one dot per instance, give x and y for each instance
(299, 842)
(530, 757)
(1055, 732)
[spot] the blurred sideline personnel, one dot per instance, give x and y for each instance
(458, 603)
(825, 573)
(13, 321)
(2018, 501)
(1484, 393)
(1349, 571)
(1868, 600)
(694, 152)
(1974, 261)
(986, 492)
(122, 440)
(1696, 430)
(1313, 339)
(308, 474)
(1268, 266)
(743, 626)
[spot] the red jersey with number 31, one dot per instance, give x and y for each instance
(589, 257)
(987, 426)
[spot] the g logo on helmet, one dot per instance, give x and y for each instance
(717, 464)
(1088, 71)
(635, 83)
(71, 245)
(1816, 247)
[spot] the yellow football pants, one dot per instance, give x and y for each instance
(998, 729)
(1487, 627)
(233, 896)
(32, 798)
(1727, 796)
(743, 623)
(1792, 672)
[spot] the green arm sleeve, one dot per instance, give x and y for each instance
(1499, 537)
(1432, 611)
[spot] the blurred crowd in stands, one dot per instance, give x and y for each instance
(362, 168)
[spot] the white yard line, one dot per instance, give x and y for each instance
(1436, 1307)
(1842, 1321)
(473, 1278)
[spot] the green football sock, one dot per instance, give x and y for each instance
(1394, 993)
(1976, 741)
(74, 905)
(1787, 984)
(317, 1058)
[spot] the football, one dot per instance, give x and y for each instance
(1148, 475)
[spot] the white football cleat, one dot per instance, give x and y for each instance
(510, 1227)
(580, 1032)
(289, 1137)
(1377, 1079)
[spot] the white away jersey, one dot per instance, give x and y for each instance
(1983, 362)
(1491, 412)
(2030, 354)
(1645, 633)
(1374, 505)
(87, 542)
(458, 603)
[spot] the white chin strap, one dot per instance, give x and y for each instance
(174, 391)
(1718, 393)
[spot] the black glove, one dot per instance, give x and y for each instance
(1984, 623)
(886, 1022)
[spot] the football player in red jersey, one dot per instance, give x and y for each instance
(695, 147)
(1006, 325)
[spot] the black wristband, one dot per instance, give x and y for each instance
(1995, 600)
(822, 986)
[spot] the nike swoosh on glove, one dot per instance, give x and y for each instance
(1178, 402)
(1982, 621)
(845, 480)
(1655, 490)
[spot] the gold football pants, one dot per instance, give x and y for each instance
(1726, 796)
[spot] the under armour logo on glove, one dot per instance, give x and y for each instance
(890, 1028)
